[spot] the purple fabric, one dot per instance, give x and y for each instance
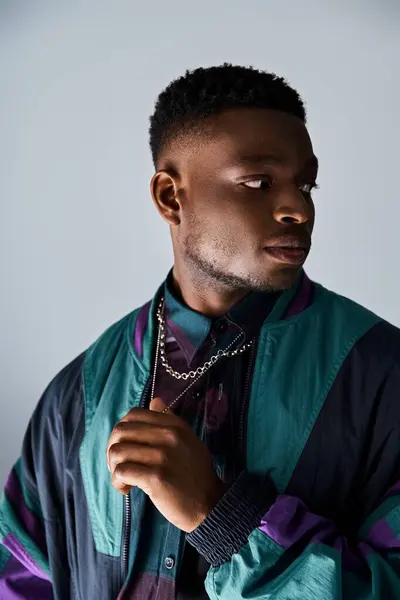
(188, 349)
(18, 583)
(301, 300)
(288, 520)
(150, 587)
(140, 329)
(27, 518)
(18, 551)
(382, 538)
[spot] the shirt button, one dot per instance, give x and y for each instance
(169, 562)
(197, 394)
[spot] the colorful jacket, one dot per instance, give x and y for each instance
(315, 514)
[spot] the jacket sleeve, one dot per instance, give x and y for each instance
(263, 545)
(31, 504)
(290, 553)
(24, 566)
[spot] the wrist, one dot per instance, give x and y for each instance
(214, 497)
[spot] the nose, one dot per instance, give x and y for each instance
(292, 207)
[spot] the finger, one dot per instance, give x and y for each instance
(152, 417)
(122, 488)
(143, 433)
(128, 475)
(126, 431)
(158, 405)
(127, 452)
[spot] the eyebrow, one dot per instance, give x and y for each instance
(270, 159)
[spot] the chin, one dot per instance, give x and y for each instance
(287, 277)
(276, 280)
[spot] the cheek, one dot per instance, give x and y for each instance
(220, 221)
(222, 211)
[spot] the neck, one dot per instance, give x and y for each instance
(203, 294)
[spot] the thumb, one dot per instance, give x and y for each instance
(157, 405)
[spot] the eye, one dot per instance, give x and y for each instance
(307, 188)
(258, 184)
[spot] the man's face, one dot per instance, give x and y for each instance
(246, 214)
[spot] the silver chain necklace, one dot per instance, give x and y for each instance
(197, 373)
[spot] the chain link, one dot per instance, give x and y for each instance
(207, 365)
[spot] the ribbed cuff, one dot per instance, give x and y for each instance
(226, 529)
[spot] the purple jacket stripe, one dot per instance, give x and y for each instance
(289, 522)
(18, 551)
(382, 538)
(27, 518)
(141, 326)
(149, 586)
(301, 300)
(16, 580)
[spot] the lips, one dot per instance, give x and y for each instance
(290, 249)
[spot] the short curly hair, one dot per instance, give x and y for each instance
(186, 101)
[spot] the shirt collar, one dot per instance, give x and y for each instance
(191, 328)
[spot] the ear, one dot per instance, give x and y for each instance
(164, 191)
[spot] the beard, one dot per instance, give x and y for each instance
(209, 271)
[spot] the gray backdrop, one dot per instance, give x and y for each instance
(81, 243)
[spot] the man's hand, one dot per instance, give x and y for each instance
(161, 455)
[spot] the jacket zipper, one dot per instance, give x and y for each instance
(126, 536)
(127, 512)
(242, 408)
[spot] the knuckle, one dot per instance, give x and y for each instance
(160, 458)
(119, 472)
(117, 434)
(120, 428)
(170, 436)
(114, 451)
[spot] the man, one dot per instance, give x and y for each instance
(268, 463)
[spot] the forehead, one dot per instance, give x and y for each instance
(246, 135)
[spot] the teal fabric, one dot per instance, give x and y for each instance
(389, 506)
(30, 501)
(393, 520)
(4, 557)
(357, 588)
(149, 339)
(195, 325)
(113, 383)
(385, 573)
(9, 524)
(314, 575)
(114, 380)
(290, 386)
